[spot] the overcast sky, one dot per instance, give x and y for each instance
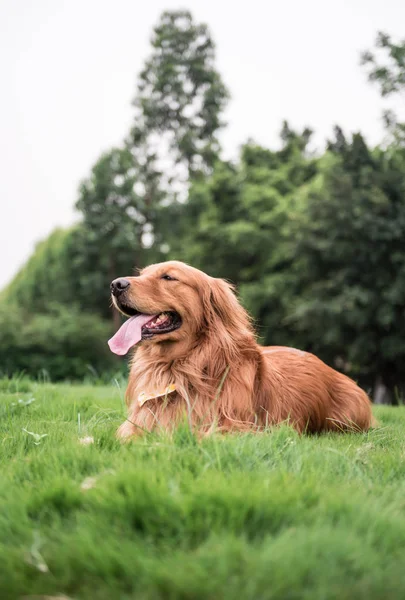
(69, 69)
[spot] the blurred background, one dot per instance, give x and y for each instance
(263, 143)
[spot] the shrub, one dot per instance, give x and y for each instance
(63, 344)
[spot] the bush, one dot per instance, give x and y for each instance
(63, 344)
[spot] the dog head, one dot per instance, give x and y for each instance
(174, 302)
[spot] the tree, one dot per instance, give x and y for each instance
(109, 241)
(75, 267)
(63, 343)
(179, 100)
(389, 75)
(46, 278)
(178, 105)
(238, 223)
(124, 203)
(128, 207)
(351, 261)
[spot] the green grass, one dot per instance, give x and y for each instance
(272, 515)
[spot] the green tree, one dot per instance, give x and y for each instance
(63, 343)
(124, 202)
(46, 278)
(351, 261)
(238, 223)
(180, 97)
(386, 68)
(109, 241)
(389, 75)
(178, 106)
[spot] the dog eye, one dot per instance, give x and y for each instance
(168, 278)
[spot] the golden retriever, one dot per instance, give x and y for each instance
(198, 358)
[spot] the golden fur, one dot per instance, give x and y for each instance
(224, 380)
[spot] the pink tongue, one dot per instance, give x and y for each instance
(128, 334)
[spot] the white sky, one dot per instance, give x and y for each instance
(69, 67)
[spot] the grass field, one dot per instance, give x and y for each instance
(262, 516)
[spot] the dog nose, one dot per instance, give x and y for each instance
(119, 285)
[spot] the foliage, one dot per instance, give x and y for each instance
(314, 243)
(273, 516)
(179, 100)
(389, 75)
(63, 343)
(180, 95)
(109, 243)
(239, 223)
(46, 278)
(351, 268)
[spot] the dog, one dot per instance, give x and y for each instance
(197, 358)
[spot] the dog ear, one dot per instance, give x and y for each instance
(221, 302)
(222, 299)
